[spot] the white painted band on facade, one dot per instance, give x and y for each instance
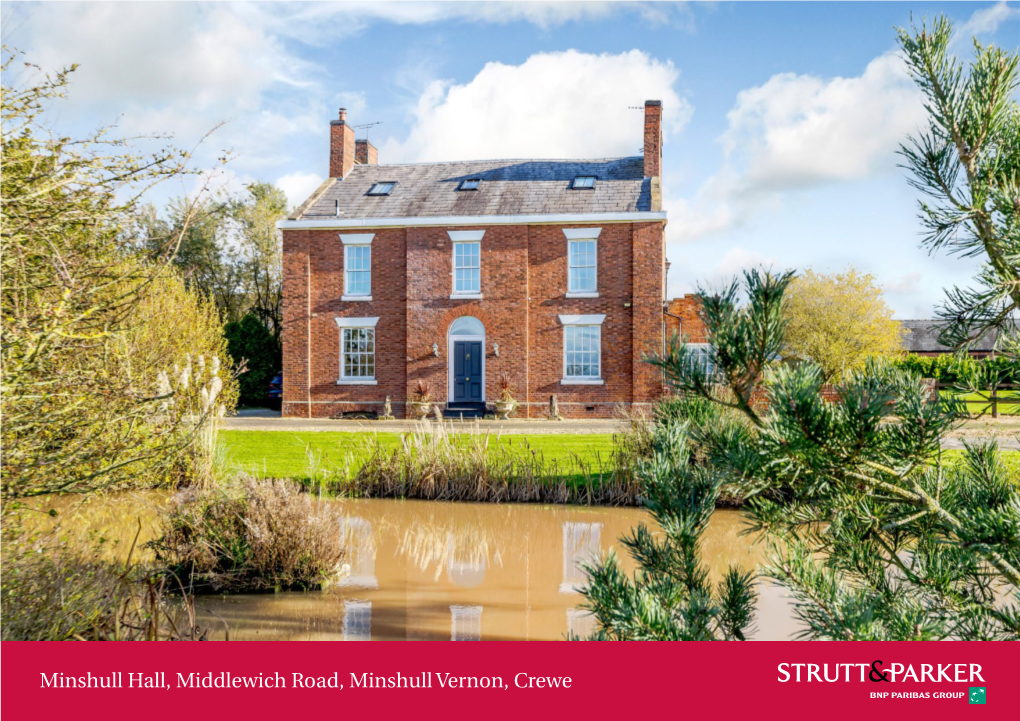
(448, 220)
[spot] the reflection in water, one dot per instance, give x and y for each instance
(467, 570)
(425, 570)
(357, 620)
(580, 623)
(580, 546)
(466, 623)
(360, 544)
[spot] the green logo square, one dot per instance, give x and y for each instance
(977, 694)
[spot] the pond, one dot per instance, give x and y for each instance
(427, 570)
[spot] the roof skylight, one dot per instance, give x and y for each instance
(584, 182)
(471, 184)
(381, 188)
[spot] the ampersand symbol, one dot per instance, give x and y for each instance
(881, 676)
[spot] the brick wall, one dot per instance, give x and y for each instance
(524, 284)
(683, 314)
(341, 147)
(366, 153)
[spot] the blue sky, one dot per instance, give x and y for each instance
(782, 119)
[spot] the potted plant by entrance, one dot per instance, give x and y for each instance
(505, 403)
(421, 400)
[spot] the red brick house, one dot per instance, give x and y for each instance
(550, 270)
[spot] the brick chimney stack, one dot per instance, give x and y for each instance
(653, 138)
(341, 146)
(366, 153)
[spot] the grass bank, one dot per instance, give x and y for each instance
(979, 405)
(439, 463)
(276, 454)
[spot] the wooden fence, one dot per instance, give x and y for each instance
(1003, 397)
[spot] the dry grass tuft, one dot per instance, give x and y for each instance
(55, 589)
(435, 463)
(252, 536)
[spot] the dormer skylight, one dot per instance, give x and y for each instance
(584, 182)
(381, 188)
(470, 184)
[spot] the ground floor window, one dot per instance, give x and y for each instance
(699, 355)
(583, 349)
(357, 348)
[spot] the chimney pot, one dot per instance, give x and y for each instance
(365, 153)
(653, 138)
(341, 146)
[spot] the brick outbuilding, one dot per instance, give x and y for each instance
(552, 271)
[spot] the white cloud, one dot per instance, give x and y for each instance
(736, 261)
(906, 284)
(321, 22)
(218, 183)
(299, 186)
(161, 52)
(801, 131)
(553, 105)
(986, 20)
(183, 69)
(730, 266)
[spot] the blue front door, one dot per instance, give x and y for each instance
(467, 371)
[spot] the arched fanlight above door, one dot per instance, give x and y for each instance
(467, 325)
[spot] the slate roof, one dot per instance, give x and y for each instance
(508, 187)
(922, 337)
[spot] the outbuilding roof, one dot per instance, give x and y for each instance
(922, 336)
(507, 187)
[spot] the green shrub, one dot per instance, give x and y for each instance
(949, 368)
(91, 331)
(685, 407)
(251, 536)
(250, 342)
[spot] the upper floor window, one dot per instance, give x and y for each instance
(381, 188)
(582, 262)
(357, 265)
(583, 271)
(584, 182)
(467, 267)
(467, 263)
(471, 184)
(357, 270)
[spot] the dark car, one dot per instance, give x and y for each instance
(275, 395)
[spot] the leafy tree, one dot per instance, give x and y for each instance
(199, 248)
(81, 409)
(228, 251)
(874, 532)
(260, 255)
(838, 321)
(967, 164)
(250, 342)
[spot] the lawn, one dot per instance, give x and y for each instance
(278, 454)
(977, 404)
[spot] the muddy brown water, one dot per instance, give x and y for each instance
(427, 570)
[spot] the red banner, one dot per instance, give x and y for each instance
(492, 680)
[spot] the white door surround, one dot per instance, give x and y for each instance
(450, 339)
